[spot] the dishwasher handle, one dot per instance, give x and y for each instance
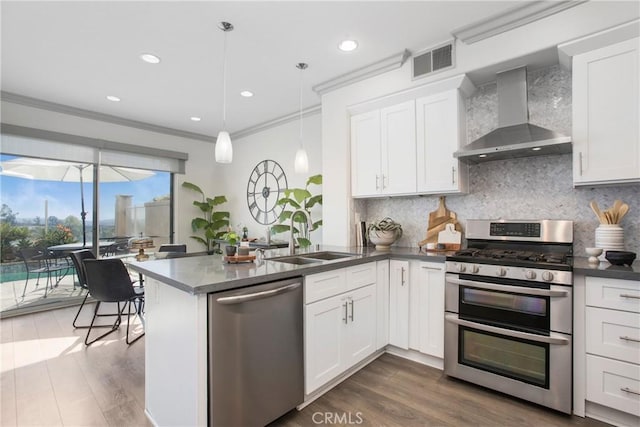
(238, 299)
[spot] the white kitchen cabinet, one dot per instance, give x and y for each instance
(383, 151)
(340, 326)
(606, 349)
(441, 126)
(366, 152)
(382, 300)
(399, 303)
(606, 116)
(426, 320)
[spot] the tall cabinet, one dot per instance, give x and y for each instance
(606, 115)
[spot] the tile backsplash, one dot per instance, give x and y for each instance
(525, 188)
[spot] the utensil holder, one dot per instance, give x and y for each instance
(609, 237)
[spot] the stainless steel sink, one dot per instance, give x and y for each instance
(311, 258)
(295, 259)
(327, 256)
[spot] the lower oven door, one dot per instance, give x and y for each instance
(533, 367)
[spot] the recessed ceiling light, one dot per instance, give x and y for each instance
(348, 45)
(150, 58)
(113, 98)
(536, 149)
(195, 119)
(246, 93)
(482, 155)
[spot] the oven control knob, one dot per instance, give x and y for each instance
(462, 268)
(547, 276)
(475, 268)
(501, 272)
(530, 274)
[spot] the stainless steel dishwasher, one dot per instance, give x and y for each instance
(256, 369)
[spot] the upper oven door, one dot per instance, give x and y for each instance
(510, 305)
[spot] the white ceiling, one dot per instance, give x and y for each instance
(77, 53)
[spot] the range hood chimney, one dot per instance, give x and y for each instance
(515, 136)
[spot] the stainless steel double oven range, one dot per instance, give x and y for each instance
(508, 310)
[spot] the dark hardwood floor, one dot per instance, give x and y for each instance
(49, 377)
(392, 391)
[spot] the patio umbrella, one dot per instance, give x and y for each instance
(53, 170)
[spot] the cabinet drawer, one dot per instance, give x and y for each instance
(613, 384)
(613, 334)
(361, 275)
(324, 285)
(613, 293)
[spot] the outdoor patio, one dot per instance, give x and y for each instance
(64, 294)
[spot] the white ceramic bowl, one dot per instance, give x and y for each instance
(593, 254)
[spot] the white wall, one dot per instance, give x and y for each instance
(570, 24)
(280, 144)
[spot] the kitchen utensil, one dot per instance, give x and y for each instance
(596, 210)
(438, 221)
(620, 257)
(593, 254)
(449, 238)
(622, 211)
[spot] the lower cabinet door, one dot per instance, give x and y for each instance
(324, 336)
(614, 384)
(399, 303)
(360, 336)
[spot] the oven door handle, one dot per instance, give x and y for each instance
(509, 288)
(453, 318)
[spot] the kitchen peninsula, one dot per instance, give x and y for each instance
(176, 349)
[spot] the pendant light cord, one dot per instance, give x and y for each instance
(301, 71)
(224, 82)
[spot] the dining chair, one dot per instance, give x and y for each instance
(173, 248)
(39, 261)
(78, 257)
(108, 281)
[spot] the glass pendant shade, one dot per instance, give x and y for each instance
(301, 164)
(224, 150)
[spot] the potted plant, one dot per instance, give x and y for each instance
(232, 240)
(211, 221)
(384, 233)
(299, 198)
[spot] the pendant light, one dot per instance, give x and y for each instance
(224, 150)
(301, 164)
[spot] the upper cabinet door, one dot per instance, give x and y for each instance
(606, 93)
(440, 121)
(365, 154)
(398, 128)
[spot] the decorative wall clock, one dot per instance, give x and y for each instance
(267, 183)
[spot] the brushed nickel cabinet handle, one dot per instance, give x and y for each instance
(626, 338)
(629, 296)
(377, 185)
(351, 302)
(344, 319)
(628, 390)
(402, 276)
(453, 174)
(580, 161)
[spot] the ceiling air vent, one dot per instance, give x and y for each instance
(432, 60)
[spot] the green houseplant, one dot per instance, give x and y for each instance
(232, 239)
(211, 222)
(299, 198)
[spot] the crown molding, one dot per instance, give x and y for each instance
(391, 63)
(316, 109)
(87, 114)
(513, 18)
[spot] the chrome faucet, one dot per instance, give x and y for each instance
(292, 245)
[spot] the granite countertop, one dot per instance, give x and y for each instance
(581, 265)
(210, 273)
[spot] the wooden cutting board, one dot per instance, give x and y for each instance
(438, 221)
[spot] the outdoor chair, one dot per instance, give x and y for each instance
(173, 248)
(108, 281)
(39, 261)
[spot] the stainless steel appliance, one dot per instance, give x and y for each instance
(255, 353)
(508, 310)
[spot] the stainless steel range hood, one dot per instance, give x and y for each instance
(515, 136)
